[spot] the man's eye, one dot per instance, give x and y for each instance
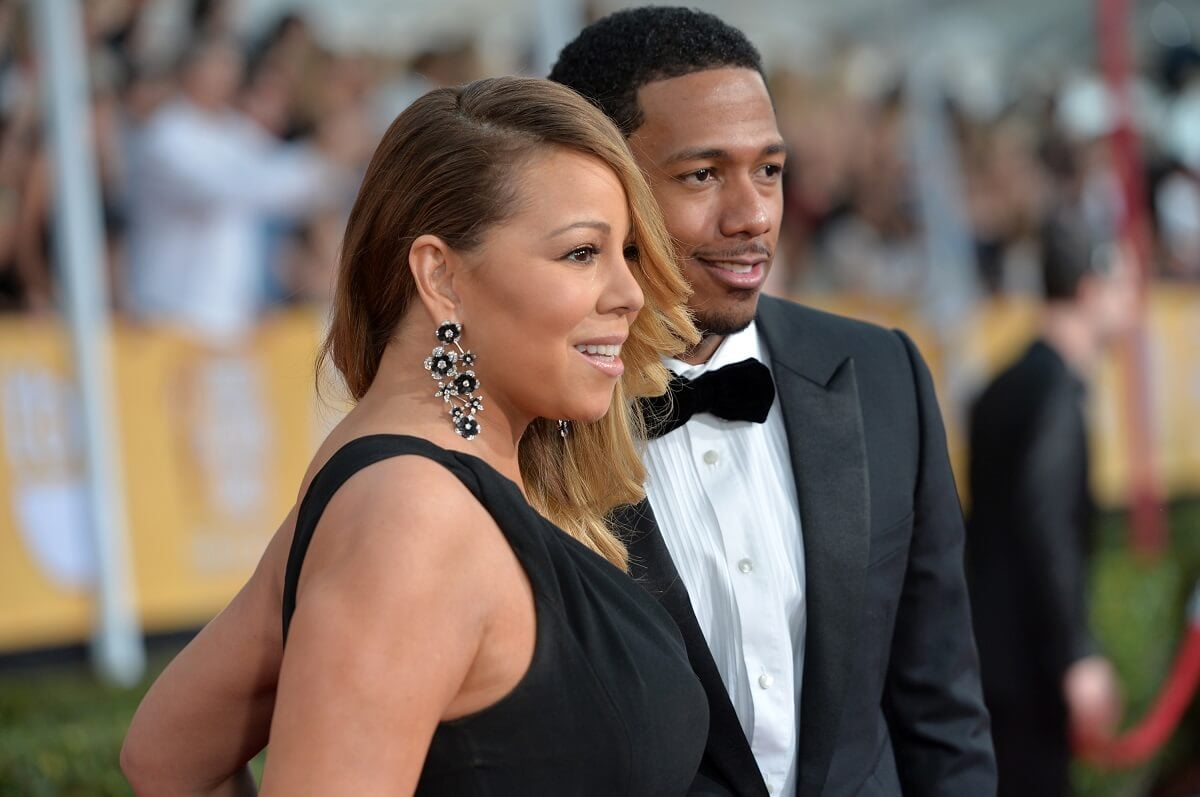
(772, 170)
(699, 176)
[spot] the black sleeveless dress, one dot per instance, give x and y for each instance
(609, 705)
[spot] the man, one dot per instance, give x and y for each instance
(1030, 522)
(206, 180)
(813, 561)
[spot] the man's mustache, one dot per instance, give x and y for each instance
(739, 251)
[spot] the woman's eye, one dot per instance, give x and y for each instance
(631, 253)
(583, 255)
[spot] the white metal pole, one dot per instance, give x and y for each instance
(118, 653)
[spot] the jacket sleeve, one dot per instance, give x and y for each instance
(1048, 536)
(933, 701)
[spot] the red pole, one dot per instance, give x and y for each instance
(1148, 532)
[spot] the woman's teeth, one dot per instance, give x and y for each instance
(606, 351)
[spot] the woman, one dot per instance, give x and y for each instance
(441, 636)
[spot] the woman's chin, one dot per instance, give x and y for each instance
(589, 414)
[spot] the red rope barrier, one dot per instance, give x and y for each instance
(1139, 743)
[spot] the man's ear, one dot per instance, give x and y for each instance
(434, 266)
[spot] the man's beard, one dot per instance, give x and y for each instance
(734, 311)
(720, 324)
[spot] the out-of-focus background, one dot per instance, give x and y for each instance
(210, 183)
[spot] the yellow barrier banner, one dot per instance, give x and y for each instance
(46, 561)
(213, 444)
(1172, 391)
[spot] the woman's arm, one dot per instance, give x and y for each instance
(411, 609)
(210, 710)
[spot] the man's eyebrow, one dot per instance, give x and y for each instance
(696, 154)
(716, 153)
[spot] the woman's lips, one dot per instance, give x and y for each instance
(604, 356)
(607, 364)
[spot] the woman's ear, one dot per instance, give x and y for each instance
(434, 266)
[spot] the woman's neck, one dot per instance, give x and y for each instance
(401, 400)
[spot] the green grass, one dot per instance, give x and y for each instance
(61, 731)
(1138, 613)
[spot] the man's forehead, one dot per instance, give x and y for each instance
(705, 88)
(713, 113)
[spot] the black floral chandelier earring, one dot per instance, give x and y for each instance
(456, 387)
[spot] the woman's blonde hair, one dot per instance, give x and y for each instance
(448, 166)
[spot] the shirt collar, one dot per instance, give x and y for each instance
(733, 349)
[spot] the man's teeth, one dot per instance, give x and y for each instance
(606, 351)
(736, 268)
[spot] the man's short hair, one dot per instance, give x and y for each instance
(1071, 250)
(614, 57)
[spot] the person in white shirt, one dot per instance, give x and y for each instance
(205, 180)
(726, 500)
(802, 524)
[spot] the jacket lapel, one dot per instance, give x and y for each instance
(728, 752)
(821, 411)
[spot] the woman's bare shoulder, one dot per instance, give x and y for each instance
(401, 531)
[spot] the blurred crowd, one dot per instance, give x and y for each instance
(227, 164)
(1025, 146)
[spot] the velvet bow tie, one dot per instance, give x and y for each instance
(738, 392)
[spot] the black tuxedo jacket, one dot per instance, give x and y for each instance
(890, 702)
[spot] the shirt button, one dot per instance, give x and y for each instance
(711, 457)
(765, 681)
(745, 565)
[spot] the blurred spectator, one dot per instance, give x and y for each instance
(26, 241)
(205, 181)
(305, 269)
(211, 19)
(444, 64)
(1007, 190)
(1177, 198)
(19, 141)
(1029, 529)
(35, 224)
(287, 72)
